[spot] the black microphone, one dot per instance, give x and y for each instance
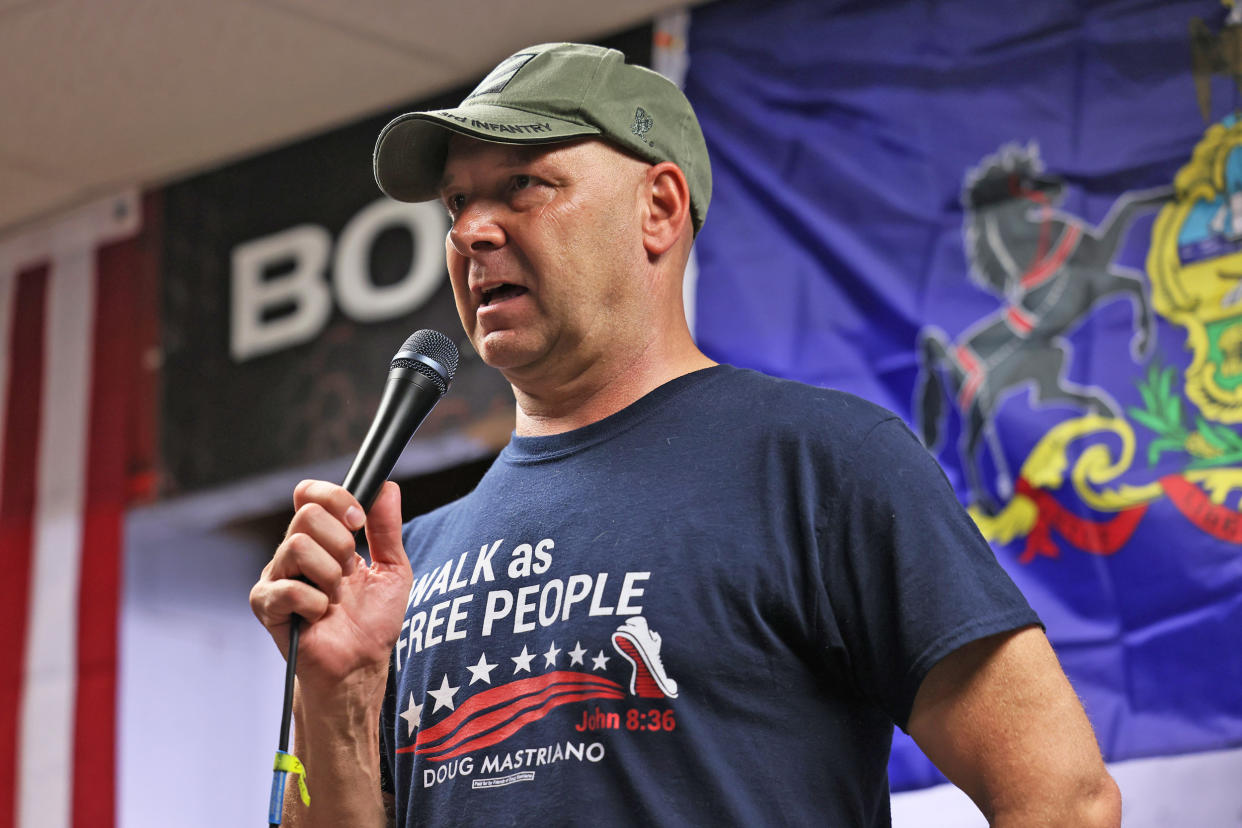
(418, 377)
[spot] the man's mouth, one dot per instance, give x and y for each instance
(500, 293)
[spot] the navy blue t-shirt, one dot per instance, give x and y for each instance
(709, 608)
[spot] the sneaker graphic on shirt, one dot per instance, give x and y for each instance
(641, 648)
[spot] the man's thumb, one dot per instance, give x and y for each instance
(384, 526)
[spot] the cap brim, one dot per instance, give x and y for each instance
(410, 151)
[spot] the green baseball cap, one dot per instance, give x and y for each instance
(545, 94)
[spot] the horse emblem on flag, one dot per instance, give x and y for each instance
(1051, 270)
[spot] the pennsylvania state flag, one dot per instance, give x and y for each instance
(1018, 225)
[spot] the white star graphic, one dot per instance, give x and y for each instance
(411, 715)
(481, 671)
(549, 658)
(522, 662)
(600, 661)
(443, 696)
(576, 654)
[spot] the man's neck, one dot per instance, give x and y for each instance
(598, 392)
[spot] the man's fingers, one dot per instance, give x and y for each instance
(384, 527)
(300, 557)
(273, 602)
(336, 500)
(317, 522)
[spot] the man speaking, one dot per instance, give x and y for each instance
(684, 593)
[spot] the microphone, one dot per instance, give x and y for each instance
(418, 377)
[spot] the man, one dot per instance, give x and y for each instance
(684, 593)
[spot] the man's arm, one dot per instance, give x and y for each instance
(1001, 721)
(342, 747)
(352, 618)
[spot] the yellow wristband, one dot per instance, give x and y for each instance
(291, 764)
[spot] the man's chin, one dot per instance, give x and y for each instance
(506, 350)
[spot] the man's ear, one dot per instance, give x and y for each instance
(667, 197)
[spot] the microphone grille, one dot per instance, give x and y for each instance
(432, 344)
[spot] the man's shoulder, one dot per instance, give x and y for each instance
(786, 404)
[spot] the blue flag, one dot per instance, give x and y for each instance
(1019, 226)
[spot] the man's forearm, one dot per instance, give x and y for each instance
(338, 743)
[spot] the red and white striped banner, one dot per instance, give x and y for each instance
(66, 330)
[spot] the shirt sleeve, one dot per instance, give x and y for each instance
(909, 579)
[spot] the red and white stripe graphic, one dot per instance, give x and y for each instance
(62, 491)
(494, 715)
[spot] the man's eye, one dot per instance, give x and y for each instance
(455, 203)
(521, 182)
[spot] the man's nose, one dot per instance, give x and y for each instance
(477, 228)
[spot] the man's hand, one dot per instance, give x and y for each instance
(352, 615)
(352, 611)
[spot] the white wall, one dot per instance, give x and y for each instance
(1202, 790)
(201, 683)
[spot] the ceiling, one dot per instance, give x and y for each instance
(98, 95)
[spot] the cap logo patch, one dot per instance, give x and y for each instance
(499, 77)
(642, 123)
